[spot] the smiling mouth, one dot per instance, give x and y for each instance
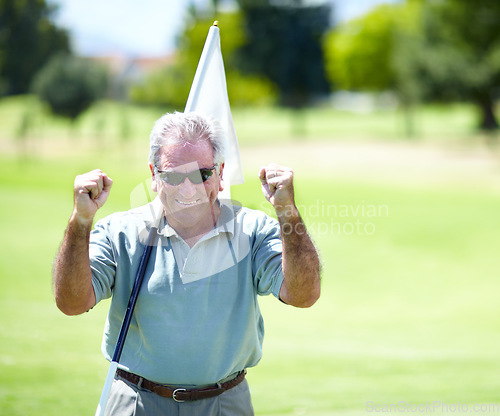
(187, 204)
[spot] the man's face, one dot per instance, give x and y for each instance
(188, 204)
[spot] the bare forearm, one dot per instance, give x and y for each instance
(72, 275)
(301, 265)
(300, 262)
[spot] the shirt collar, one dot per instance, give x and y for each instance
(153, 213)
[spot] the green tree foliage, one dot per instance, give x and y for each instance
(170, 86)
(423, 50)
(283, 43)
(358, 52)
(70, 85)
(458, 55)
(28, 39)
(371, 54)
(361, 54)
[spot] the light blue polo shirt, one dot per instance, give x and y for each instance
(197, 318)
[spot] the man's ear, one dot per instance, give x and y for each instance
(154, 185)
(221, 180)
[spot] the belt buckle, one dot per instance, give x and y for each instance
(175, 398)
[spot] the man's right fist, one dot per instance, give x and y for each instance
(91, 191)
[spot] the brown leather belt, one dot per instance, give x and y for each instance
(180, 394)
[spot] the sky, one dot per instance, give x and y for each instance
(146, 28)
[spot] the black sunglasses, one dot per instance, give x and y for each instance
(196, 177)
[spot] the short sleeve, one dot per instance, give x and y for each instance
(102, 261)
(266, 257)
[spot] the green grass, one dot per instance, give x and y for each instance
(409, 310)
(409, 313)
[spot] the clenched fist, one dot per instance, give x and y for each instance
(91, 190)
(277, 186)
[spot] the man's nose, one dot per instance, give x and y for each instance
(187, 189)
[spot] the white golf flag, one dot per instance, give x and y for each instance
(208, 96)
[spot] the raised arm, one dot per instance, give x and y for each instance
(72, 275)
(301, 265)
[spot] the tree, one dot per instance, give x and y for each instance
(70, 85)
(458, 55)
(370, 53)
(358, 52)
(170, 86)
(445, 50)
(283, 43)
(364, 54)
(28, 39)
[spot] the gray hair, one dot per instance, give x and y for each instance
(186, 128)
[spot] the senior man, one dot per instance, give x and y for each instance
(196, 326)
